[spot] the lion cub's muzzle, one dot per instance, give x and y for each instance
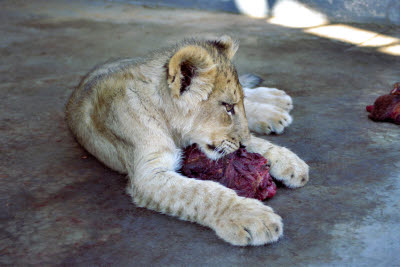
(225, 147)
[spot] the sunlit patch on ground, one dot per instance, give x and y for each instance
(294, 14)
(391, 49)
(253, 8)
(359, 37)
(352, 35)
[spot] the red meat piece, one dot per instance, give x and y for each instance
(386, 107)
(246, 173)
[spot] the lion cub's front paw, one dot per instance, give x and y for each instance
(249, 222)
(287, 167)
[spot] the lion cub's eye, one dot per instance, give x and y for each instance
(229, 107)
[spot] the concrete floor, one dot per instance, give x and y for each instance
(60, 206)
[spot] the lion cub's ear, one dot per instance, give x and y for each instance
(191, 74)
(226, 45)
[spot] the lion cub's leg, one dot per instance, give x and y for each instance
(267, 109)
(240, 221)
(285, 165)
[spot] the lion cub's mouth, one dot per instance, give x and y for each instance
(213, 148)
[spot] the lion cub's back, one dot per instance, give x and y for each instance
(93, 89)
(89, 108)
(88, 84)
(102, 71)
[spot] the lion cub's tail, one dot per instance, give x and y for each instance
(250, 80)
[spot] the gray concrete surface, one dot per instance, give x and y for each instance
(60, 207)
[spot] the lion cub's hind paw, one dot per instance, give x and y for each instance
(267, 110)
(266, 119)
(271, 96)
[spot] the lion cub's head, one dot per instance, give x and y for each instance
(205, 88)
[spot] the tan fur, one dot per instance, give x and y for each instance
(135, 116)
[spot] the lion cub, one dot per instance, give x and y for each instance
(135, 116)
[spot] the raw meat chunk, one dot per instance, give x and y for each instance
(387, 107)
(246, 173)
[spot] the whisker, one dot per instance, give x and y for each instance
(220, 149)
